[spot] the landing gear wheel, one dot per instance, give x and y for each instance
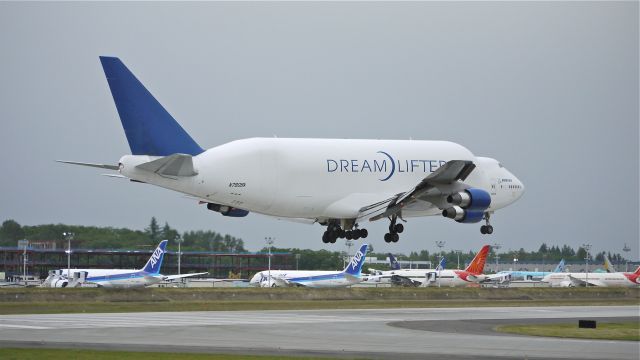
(387, 237)
(487, 228)
(349, 235)
(355, 234)
(325, 237)
(399, 228)
(395, 237)
(364, 233)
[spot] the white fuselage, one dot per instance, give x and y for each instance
(324, 178)
(617, 279)
(429, 277)
(307, 278)
(117, 278)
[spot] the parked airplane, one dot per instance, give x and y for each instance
(338, 183)
(608, 266)
(509, 275)
(384, 276)
(431, 277)
(617, 279)
(349, 276)
(118, 278)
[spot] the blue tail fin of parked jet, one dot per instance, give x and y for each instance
(355, 265)
(442, 264)
(560, 267)
(155, 261)
(150, 129)
(393, 263)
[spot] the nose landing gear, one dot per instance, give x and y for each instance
(486, 229)
(394, 230)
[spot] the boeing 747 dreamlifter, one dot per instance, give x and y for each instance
(337, 183)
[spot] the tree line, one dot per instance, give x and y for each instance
(93, 237)
(211, 241)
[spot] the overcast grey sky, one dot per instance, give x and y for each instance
(549, 89)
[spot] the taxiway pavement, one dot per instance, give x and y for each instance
(341, 333)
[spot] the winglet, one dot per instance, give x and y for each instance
(355, 265)
(150, 129)
(155, 261)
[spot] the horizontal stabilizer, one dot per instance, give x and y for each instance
(101, 166)
(172, 165)
(175, 277)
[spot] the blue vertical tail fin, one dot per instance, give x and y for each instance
(355, 265)
(442, 264)
(393, 263)
(560, 267)
(150, 129)
(155, 261)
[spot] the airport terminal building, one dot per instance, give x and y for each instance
(41, 259)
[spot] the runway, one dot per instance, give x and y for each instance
(341, 333)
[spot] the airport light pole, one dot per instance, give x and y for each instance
(458, 253)
(626, 250)
(269, 240)
(179, 240)
(297, 260)
(440, 244)
(23, 244)
(345, 256)
(586, 248)
(497, 247)
(69, 236)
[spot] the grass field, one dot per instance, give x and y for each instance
(65, 354)
(111, 307)
(90, 300)
(604, 331)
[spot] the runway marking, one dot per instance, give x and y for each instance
(24, 326)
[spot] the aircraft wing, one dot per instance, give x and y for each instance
(175, 277)
(174, 165)
(447, 174)
(581, 282)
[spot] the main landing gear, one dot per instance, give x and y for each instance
(394, 230)
(334, 231)
(486, 229)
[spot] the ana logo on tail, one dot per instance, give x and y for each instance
(355, 265)
(155, 261)
(393, 263)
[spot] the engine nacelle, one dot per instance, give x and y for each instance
(227, 210)
(60, 283)
(463, 216)
(471, 199)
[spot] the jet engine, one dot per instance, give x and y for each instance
(227, 210)
(463, 216)
(60, 283)
(471, 199)
(468, 205)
